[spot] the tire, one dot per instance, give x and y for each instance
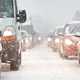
(14, 66)
(3, 58)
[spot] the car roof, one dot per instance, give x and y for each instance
(73, 22)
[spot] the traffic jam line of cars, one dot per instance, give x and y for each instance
(67, 41)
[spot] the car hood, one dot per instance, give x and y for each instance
(73, 38)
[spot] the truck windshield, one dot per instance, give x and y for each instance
(6, 8)
(73, 29)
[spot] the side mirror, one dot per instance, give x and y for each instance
(21, 17)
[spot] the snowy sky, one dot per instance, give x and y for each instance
(47, 14)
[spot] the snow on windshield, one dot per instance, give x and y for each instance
(6, 8)
(73, 29)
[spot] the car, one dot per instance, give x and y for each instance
(54, 41)
(50, 39)
(70, 42)
(26, 42)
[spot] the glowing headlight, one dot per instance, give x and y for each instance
(49, 39)
(39, 38)
(57, 40)
(27, 40)
(30, 38)
(68, 42)
(9, 31)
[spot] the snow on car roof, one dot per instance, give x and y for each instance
(73, 22)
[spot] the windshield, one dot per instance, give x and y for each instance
(59, 31)
(6, 8)
(73, 29)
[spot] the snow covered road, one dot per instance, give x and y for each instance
(40, 63)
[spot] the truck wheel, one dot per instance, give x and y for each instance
(4, 58)
(14, 66)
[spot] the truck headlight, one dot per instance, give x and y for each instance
(68, 42)
(9, 31)
(9, 34)
(30, 38)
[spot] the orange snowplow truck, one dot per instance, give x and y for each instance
(10, 36)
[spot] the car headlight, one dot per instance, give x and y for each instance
(9, 34)
(27, 40)
(30, 38)
(39, 38)
(68, 42)
(49, 39)
(9, 31)
(57, 40)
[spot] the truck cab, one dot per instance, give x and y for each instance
(10, 36)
